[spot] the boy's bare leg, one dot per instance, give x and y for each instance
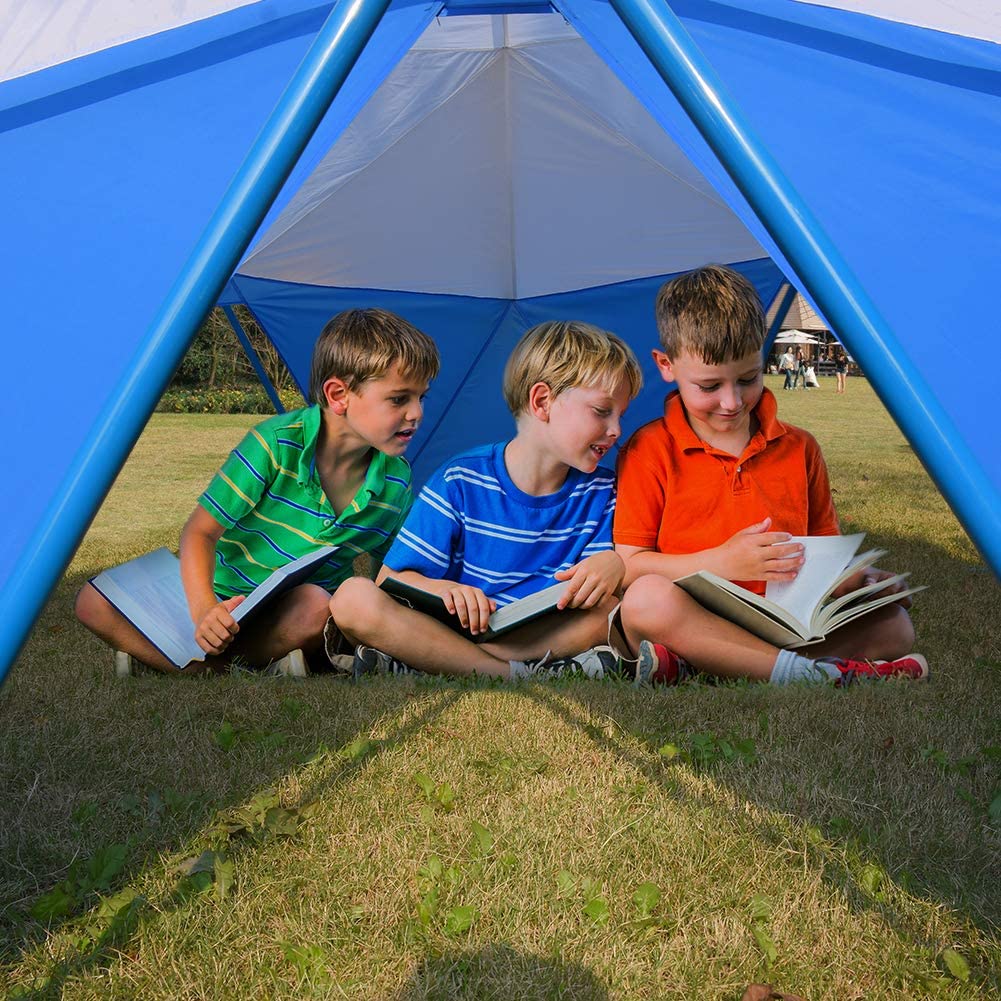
(364, 613)
(105, 621)
(884, 634)
(656, 609)
(295, 622)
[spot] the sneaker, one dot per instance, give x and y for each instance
(339, 654)
(125, 664)
(292, 665)
(368, 660)
(913, 666)
(595, 664)
(656, 665)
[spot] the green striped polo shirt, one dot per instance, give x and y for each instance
(269, 500)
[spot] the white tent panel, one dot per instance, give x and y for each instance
(971, 18)
(517, 163)
(35, 34)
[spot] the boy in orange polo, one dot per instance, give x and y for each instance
(720, 484)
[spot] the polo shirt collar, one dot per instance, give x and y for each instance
(312, 419)
(769, 426)
(375, 475)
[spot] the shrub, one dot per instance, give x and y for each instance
(245, 400)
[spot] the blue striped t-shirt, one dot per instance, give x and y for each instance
(471, 524)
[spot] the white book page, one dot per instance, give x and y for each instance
(149, 593)
(826, 557)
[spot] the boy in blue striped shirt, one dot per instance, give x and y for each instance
(504, 521)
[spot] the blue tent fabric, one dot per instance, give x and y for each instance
(465, 405)
(111, 163)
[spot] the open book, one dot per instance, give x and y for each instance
(507, 617)
(799, 612)
(149, 593)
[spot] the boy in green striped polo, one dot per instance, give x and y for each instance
(329, 474)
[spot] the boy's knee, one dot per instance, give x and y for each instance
(91, 607)
(899, 632)
(354, 602)
(312, 602)
(649, 597)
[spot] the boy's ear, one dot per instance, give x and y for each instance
(335, 395)
(664, 365)
(540, 399)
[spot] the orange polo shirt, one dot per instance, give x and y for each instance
(678, 494)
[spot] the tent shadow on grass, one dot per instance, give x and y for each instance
(501, 972)
(136, 769)
(907, 792)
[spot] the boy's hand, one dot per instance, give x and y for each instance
(471, 605)
(218, 628)
(870, 575)
(592, 580)
(754, 553)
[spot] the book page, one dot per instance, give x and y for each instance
(525, 609)
(282, 580)
(826, 557)
(149, 593)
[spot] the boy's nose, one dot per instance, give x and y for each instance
(730, 398)
(415, 411)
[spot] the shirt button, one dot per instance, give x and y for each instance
(327, 523)
(738, 469)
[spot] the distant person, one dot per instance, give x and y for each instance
(329, 474)
(719, 483)
(787, 365)
(841, 370)
(507, 520)
(800, 369)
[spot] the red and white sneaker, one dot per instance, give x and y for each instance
(913, 667)
(656, 665)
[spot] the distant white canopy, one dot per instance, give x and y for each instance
(796, 337)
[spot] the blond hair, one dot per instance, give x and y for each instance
(567, 353)
(362, 344)
(712, 313)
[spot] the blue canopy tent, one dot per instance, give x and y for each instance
(480, 168)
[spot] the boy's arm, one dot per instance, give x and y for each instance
(214, 623)
(423, 553)
(751, 554)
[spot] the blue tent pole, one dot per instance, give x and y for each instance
(298, 112)
(816, 260)
(241, 335)
(788, 294)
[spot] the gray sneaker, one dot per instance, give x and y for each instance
(292, 665)
(368, 660)
(125, 664)
(596, 663)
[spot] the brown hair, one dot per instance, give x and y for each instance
(713, 313)
(568, 353)
(362, 344)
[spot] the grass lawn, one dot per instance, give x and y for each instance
(402, 839)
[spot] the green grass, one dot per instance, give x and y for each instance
(407, 839)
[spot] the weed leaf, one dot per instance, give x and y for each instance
(57, 903)
(459, 920)
(426, 785)
(597, 910)
(765, 944)
(564, 883)
(224, 874)
(484, 840)
(956, 965)
(646, 898)
(225, 736)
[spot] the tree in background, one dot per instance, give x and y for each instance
(216, 358)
